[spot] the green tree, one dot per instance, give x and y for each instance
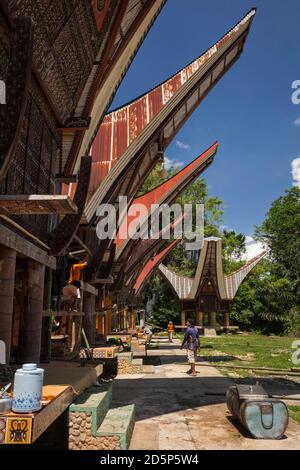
(281, 233)
(154, 179)
(269, 300)
(234, 247)
(266, 302)
(166, 308)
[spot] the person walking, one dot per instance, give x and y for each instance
(170, 330)
(191, 344)
(147, 331)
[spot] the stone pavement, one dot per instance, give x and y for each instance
(177, 412)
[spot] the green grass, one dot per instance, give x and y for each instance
(294, 412)
(249, 350)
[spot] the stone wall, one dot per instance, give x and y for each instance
(125, 367)
(81, 438)
(128, 365)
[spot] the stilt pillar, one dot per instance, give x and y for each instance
(126, 319)
(199, 319)
(89, 316)
(123, 316)
(7, 285)
(47, 321)
(100, 322)
(108, 315)
(132, 318)
(226, 321)
(31, 330)
(124, 313)
(212, 320)
(182, 318)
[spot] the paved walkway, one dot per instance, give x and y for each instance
(178, 412)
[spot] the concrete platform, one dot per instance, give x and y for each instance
(71, 373)
(177, 412)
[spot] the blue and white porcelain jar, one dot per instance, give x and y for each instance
(28, 387)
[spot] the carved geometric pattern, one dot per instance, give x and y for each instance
(66, 42)
(32, 169)
(17, 82)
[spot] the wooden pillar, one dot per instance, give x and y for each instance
(89, 302)
(7, 285)
(132, 318)
(226, 321)
(31, 332)
(125, 316)
(120, 319)
(99, 322)
(69, 331)
(199, 319)
(182, 317)
(47, 321)
(108, 315)
(212, 320)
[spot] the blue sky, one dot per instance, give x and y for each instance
(250, 110)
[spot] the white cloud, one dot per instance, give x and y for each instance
(297, 122)
(227, 228)
(169, 163)
(296, 171)
(253, 248)
(182, 145)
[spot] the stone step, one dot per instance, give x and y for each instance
(117, 427)
(128, 365)
(148, 369)
(126, 356)
(94, 402)
(137, 362)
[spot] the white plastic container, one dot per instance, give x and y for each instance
(28, 387)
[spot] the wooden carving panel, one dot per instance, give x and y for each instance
(66, 43)
(17, 81)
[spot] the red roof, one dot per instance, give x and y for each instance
(151, 264)
(164, 192)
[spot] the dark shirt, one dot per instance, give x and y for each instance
(191, 336)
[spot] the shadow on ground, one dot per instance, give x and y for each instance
(181, 359)
(154, 397)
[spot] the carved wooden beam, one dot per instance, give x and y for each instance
(33, 204)
(63, 234)
(96, 266)
(17, 82)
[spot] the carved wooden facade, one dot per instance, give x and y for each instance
(74, 42)
(55, 57)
